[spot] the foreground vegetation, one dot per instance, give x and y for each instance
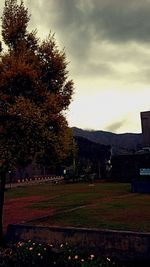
(100, 205)
(26, 254)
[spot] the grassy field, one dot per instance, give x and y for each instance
(100, 205)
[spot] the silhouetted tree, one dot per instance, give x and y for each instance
(92, 157)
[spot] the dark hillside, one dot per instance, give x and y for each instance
(120, 143)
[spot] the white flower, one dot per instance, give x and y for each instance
(92, 256)
(76, 257)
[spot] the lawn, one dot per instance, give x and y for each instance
(100, 205)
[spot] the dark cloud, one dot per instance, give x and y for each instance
(115, 20)
(86, 28)
(97, 34)
(114, 127)
(80, 22)
(122, 21)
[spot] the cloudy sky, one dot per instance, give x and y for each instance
(107, 43)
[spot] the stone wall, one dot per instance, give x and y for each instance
(119, 244)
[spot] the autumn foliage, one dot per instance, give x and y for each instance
(34, 93)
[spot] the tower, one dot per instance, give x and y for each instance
(145, 123)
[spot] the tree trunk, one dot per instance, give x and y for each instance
(2, 191)
(99, 170)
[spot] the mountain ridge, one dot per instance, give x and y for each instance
(120, 143)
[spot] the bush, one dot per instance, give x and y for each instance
(28, 254)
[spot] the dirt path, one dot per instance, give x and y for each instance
(16, 210)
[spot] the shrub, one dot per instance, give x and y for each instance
(29, 254)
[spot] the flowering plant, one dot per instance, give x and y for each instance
(29, 254)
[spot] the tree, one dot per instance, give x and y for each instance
(49, 161)
(34, 93)
(93, 157)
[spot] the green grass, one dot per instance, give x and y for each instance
(47, 189)
(122, 214)
(104, 205)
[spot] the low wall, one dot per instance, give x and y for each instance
(119, 244)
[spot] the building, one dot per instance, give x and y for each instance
(145, 123)
(141, 182)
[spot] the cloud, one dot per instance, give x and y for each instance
(114, 20)
(121, 21)
(115, 126)
(102, 38)
(99, 35)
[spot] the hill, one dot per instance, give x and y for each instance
(91, 150)
(120, 143)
